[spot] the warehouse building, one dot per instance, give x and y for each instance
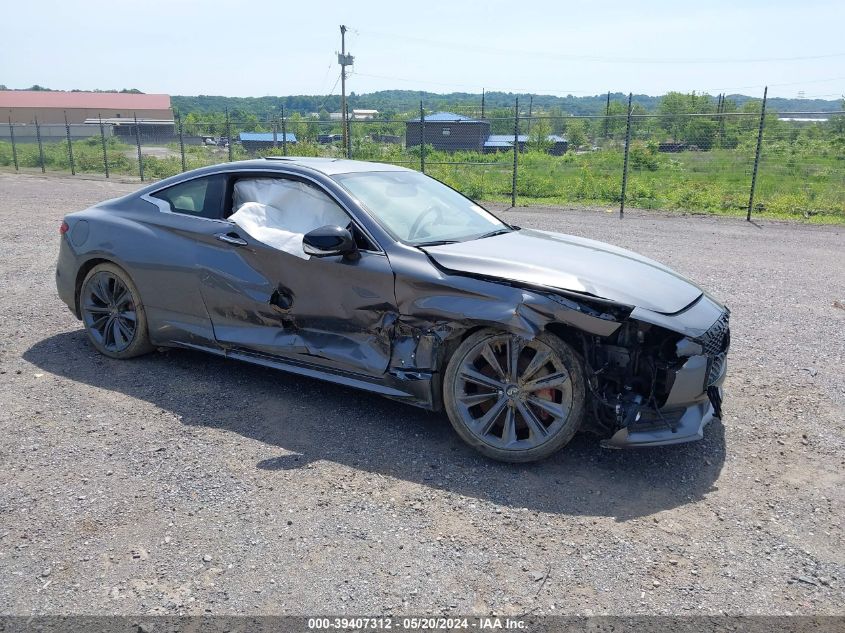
(84, 111)
(452, 132)
(504, 143)
(49, 106)
(254, 141)
(448, 131)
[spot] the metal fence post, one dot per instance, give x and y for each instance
(275, 133)
(40, 145)
(348, 127)
(229, 134)
(138, 145)
(284, 133)
(422, 138)
(182, 143)
(625, 161)
(530, 113)
(607, 117)
(14, 147)
(69, 148)
(515, 150)
(757, 154)
(103, 138)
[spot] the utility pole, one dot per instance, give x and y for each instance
(344, 60)
(482, 103)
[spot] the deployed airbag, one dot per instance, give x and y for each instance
(280, 212)
(261, 220)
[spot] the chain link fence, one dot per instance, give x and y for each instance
(701, 161)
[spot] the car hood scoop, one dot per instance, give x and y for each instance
(570, 263)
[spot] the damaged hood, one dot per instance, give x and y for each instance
(571, 263)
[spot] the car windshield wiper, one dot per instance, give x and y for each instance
(494, 233)
(437, 242)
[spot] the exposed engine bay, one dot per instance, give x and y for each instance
(632, 373)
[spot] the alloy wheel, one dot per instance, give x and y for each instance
(513, 394)
(108, 310)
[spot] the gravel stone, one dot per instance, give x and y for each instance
(246, 449)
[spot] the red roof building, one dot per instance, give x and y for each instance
(23, 106)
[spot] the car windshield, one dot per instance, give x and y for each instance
(419, 210)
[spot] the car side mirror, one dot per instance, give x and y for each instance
(330, 240)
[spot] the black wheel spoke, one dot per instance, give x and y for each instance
(486, 422)
(471, 375)
(124, 329)
(547, 382)
(95, 309)
(117, 334)
(514, 348)
(99, 321)
(533, 422)
(100, 291)
(108, 333)
(540, 359)
(552, 408)
(490, 356)
(509, 429)
(473, 399)
(121, 295)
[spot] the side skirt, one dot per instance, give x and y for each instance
(414, 389)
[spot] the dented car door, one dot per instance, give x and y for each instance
(333, 312)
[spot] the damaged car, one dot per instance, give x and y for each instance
(381, 278)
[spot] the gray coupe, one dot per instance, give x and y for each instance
(384, 279)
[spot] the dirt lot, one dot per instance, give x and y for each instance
(184, 483)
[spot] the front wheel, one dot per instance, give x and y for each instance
(112, 312)
(512, 399)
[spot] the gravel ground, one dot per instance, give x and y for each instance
(184, 483)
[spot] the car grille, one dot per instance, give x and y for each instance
(653, 420)
(716, 342)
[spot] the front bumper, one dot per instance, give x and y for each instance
(688, 428)
(687, 410)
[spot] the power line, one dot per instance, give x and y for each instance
(330, 95)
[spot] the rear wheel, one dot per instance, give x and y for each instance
(512, 399)
(112, 312)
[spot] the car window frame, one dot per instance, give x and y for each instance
(234, 176)
(166, 205)
(256, 171)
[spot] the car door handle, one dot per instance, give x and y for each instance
(231, 238)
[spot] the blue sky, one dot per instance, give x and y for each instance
(256, 48)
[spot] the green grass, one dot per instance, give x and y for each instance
(801, 181)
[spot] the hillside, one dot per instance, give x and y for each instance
(389, 102)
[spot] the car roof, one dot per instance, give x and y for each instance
(284, 164)
(329, 166)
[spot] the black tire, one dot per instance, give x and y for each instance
(539, 416)
(112, 312)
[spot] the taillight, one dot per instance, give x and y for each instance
(64, 228)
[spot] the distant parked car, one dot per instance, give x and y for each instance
(381, 278)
